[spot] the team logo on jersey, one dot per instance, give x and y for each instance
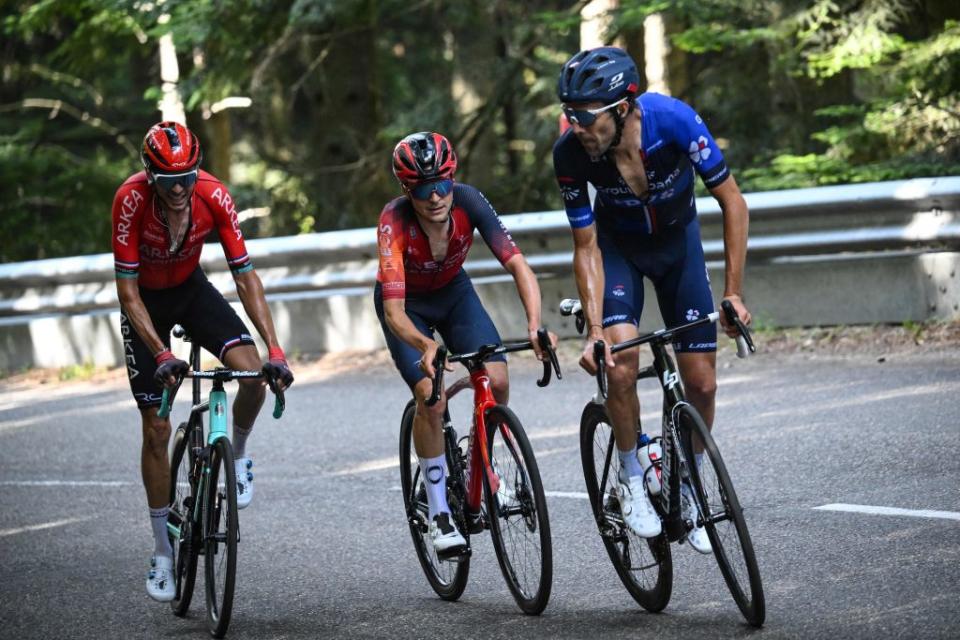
(569, 193)
(618, 291)
(699, 150)
(693, 314)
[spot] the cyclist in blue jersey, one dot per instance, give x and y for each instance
(641, 151)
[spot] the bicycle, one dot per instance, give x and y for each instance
(514, 507)
(644, 565)
(203, 494)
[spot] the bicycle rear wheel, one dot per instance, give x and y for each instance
(447, 578)
(644, 565)
(220, 534)
(182, 496)
(723, 520)
(517, 509)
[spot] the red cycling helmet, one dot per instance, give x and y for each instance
(169, 147)
(424, 156)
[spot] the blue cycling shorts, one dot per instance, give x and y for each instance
(454, 311)
(674, 263)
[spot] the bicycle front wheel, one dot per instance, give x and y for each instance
(517, 511)
(185, 546)
(644, 565)
(447, 578)
(723, 519)
(220, 534)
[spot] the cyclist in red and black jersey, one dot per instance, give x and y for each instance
(424, 236)
(161, 216)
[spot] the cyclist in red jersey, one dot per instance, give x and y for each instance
(161, 216)
(424, 236)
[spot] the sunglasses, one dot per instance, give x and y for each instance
(586, 117)
(168, 181)
(424, 190)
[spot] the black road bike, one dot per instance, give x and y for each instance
(644, 565)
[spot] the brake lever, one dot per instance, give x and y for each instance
(744, 341)
(543, 339)
(166, 401)
(279, 404)
(600, 357)
(438, 363)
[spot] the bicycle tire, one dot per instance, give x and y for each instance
(447, 578)
(645, 566)
(520, 493)
(182, 496)
(220, 528)
(723, 519)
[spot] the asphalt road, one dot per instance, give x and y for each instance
(325, 550)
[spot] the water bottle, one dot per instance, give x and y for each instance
(650, 455)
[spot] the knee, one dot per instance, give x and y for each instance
(701, 386)
(156, 432)
(623, 376)
(500, 386)
(252, 388)
(434, 413)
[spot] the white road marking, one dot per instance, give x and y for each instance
(550, 494)
(579, 495)
(890, 511)
(67, 483)
(41, 527)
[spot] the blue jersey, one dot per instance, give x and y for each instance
(675, 142)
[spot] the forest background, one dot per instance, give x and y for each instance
(300, 102)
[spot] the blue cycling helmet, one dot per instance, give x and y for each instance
(604, 74)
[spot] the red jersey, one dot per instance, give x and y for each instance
(141, 241)
(407, 264)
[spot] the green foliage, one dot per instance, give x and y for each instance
(799, 93)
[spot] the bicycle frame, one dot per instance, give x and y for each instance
(477, 454)
(216, 405)
(664, 369)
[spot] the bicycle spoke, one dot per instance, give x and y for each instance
(518, 518)
(644, 566)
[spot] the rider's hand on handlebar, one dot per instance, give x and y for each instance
(426, 360)
(741, 310)
(169, 369)
(534, 340)
(277, 370)
(586, 358)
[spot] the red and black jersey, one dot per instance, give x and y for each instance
(141, 241)
(407, 264)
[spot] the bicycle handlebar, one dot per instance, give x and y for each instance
(745, 344)
(550, 364)
(169, 394)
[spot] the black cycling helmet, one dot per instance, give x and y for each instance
(604, 74)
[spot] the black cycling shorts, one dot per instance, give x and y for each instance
(195, 305)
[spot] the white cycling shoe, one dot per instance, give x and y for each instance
(447, 541)
(244, 481)
(638, 513)
(160, 585)
(697, 537)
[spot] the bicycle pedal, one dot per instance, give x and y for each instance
(454, 555)
(476, 523)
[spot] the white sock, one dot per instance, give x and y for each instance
(240, 441)
(629, 462)
(161, 539)
(434, 472)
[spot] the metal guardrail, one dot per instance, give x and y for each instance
(878, 252)
(920, 215)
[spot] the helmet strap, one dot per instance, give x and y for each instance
(618, 123)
